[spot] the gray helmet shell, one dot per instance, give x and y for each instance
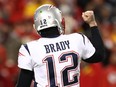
(47, 16)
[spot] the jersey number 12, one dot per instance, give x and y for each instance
(49, 60)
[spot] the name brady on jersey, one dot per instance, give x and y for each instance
(58, 46)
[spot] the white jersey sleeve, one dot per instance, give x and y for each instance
(24, 59)
(89, 49)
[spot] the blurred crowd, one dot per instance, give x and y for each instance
(16, 28)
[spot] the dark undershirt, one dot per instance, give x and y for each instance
(97, 42)
(26, 76)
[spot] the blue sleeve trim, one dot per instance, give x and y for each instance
(83, 37)
(26, 47)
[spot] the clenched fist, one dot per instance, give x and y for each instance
(89, 17)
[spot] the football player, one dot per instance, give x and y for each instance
(54, 59)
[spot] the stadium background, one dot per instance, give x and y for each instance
(16, 20)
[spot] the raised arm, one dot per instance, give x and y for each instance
(95, 38)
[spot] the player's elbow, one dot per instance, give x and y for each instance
(96, 57)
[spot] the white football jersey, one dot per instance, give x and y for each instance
(56, 61)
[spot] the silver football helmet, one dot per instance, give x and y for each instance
(47, 16)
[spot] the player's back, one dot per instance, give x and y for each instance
(56, 60)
